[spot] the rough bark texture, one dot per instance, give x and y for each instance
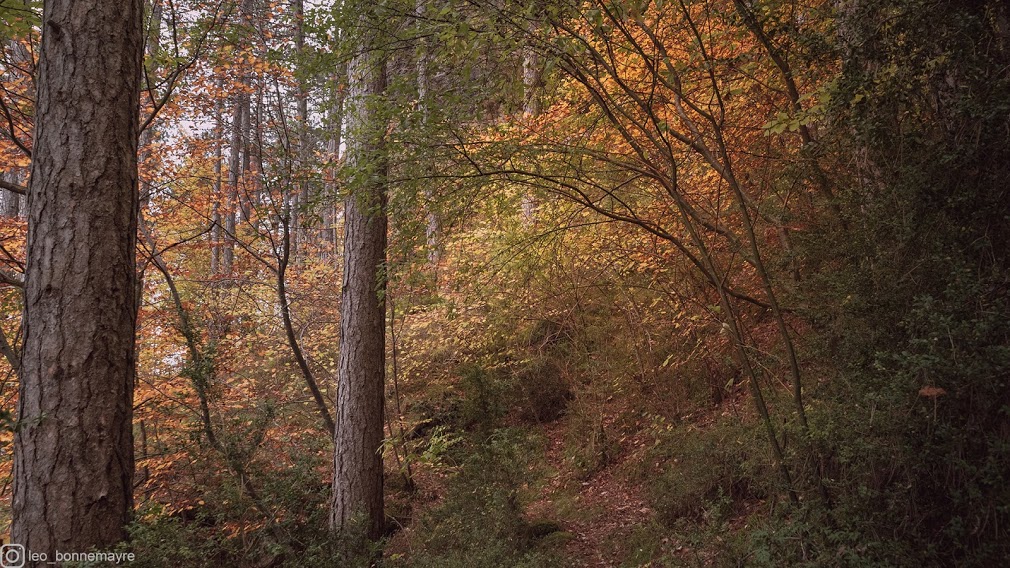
(73, 467)
(357, 478)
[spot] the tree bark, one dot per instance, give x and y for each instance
(11, 200)
(532, 78)
(301, 201)
(357, 477)
(215, 230)
(432, 230)
(330, 235)
(234, 175)
(73, 467)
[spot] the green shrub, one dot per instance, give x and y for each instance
(485, 400)
(158, 540)
(544, 393)
(480, 524)
(588, 447)
(703, 472)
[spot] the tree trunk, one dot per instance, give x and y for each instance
(11, 200)
(532, 81)
(234, 175)
(357, 477)
(303, 150)
(432, 228)
(12, 203)
(246, 183)
(215, 229)
(73, 467)
(330, 234)
(532, 78)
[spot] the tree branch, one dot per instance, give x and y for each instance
(13, 187)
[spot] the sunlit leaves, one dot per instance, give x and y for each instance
(19, 17)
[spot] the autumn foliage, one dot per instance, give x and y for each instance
(738, 263)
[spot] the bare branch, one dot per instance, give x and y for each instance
(13, 187)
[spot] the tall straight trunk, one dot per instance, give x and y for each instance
(532, 78)
(357, 477)
(13, 204)
(336, 120)
(244, 127)
(433, 225)
(302, 150)
(11, 200)
(73, 465)
(234, 175)
(215, 229)
(246, 186)
(153, 50)
(152, 46)
(235, 207)
(256, 149)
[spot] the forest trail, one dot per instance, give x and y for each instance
(608, 505)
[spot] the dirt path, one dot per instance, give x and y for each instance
(607, 506)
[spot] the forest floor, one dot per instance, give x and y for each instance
(607, 511)
(588, 496)
(605, 507)
(603, 510)
(597, 513)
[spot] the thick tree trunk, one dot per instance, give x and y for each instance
(357, 477)
(73, 466)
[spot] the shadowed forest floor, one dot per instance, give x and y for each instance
(600, 516)
(606, 507)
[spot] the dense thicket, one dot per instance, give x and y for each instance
(915, 289)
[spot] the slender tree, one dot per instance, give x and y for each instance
(73, 467)
(11, 200)
(301, 201)
(357, 478)
(532, 78)
(216, 220)
(16, 61)
(432, 228)
(335, 126)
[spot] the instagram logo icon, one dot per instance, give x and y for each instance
(12, 556)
